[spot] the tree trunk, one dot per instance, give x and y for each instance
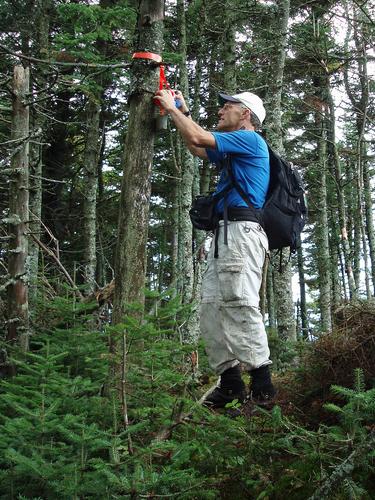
(91, 156)
(18, 309)
(283, 292)
(198, 236)
(359, 98)
(229, 49)
(43, 13)
(355, 236)
(321, 228)
(174, 218)
(271, 307)
(130, 261)
(336, 164)
(101, 267)
(282, 281)
(337, 284)
(302, 287)
(370, 230)
(185, 231)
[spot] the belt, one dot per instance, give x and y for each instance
(242, 214)
(236, 214)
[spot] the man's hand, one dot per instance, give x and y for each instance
(179, 97)
(166, 100)
(194, 136)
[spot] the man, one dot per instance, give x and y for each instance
(231, 322)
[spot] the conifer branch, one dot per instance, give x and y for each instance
(344, 469)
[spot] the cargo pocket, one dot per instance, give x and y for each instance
(231, 276)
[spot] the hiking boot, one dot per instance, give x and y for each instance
(264, 398)
(250, 407)
(220, 397)
(231, 387)
(261, 389)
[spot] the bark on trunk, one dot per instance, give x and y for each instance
(320, 232)
(282, 281)
(185, 257)
(229, 50)
(337, 279)
(90, 193)
(130, 264)
(302, 287)
(198, 236)
(43, 14)
(18, 312)
(271, 307)
(101, 268)
(370, 230)
(359, 98)
(337, 171)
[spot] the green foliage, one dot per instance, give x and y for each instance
(87, 24)
(359, 409)
(49, 433)
(283, 353)
(63, 432)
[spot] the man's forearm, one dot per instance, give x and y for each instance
(193, 134)
(196, 151)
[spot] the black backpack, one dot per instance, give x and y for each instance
(283, 215)
(284, 212)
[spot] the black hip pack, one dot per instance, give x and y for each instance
(202, 213)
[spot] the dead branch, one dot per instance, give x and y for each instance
(181, 418)
(58, 262)
(61, 63)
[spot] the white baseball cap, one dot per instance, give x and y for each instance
(248, 99)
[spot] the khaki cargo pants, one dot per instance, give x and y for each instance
(230, 319)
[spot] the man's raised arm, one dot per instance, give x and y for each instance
(194, 136)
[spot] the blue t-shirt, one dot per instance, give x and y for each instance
(250, 166)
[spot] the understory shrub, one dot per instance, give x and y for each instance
(330, 360)
(77, 422)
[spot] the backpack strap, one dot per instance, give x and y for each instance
(225, 220)
(233, 184)
(241, 192)
(218, 197)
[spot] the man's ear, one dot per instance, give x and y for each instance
(246, 113)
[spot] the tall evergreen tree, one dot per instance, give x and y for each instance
(138, 154)
(18, 306)
(282, 279)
